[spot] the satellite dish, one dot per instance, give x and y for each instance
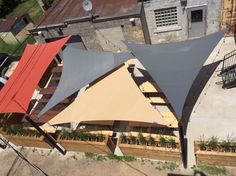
(87, 5)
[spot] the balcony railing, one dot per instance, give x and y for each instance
(228, 71)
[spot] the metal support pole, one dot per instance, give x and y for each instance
(52, 142)
(183, 143)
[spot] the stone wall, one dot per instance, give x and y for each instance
(180, 31)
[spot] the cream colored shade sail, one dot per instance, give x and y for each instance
(115, 97)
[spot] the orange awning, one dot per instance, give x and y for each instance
(116, 97)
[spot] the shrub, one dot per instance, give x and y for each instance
(123, 139)
(101, 138)
(114, 157)
(226, 146)
(202, 143)
(213, 143)
(172, 143)
(162, 141)
(133, 139)
(142, 139)
(90, 155)
(151, 141)
(129, 158)
(20, 131)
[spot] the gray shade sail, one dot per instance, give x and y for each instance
(81, 67)
(175, 66)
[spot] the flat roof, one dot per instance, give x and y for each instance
(62, 10)
(7, 24)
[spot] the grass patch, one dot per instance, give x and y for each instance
(213, 170)
(89, 155)
(113, 157)
(170, 166)
(11, 48)
(129, 158)
(31, 7)
(166, 166)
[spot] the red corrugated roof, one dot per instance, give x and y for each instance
(62, 10)
(16, 94)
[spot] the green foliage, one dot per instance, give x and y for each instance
(151, 141)
(213, 143)
(16, 49)
(162, 141)
(6, 6)
(19, 130)
(129, 158)
(142, 139)
(211, 170)
(90, 155)
(133, 139)
(172, 143)
(202, 143)
(109, 157)
(101, 158)
(114, 157)
(30, 7)
(83, 136)
(170, 166)
(123, 139)
(48, 3)
(166, 166)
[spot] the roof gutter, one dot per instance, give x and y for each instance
(94, 18)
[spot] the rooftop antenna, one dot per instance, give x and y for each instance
(87, 6)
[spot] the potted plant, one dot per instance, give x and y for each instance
(162, 141)
(213, 143)
(151, 141)
(203, 145)
(123, 139)
(142, 139)
(133, 139)
(172, 143)
(101, 138)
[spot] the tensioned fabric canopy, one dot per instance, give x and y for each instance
(81, 67)
(115, 97)
(16, 94)
(175, 66)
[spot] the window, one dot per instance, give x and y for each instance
(166, 17)
(196, 16)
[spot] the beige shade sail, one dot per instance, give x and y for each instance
(115, 97)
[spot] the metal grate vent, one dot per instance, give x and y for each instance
(166, 17)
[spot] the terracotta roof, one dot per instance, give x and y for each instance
(62, 10)
(9, 23)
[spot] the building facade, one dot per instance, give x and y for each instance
(103, 29)
(176, 20)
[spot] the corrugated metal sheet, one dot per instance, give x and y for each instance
(62, 10)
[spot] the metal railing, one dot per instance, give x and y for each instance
(228, 71)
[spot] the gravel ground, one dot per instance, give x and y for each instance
(53, 163)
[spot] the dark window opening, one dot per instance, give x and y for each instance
(196, 16)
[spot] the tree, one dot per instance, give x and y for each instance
(6, 6)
